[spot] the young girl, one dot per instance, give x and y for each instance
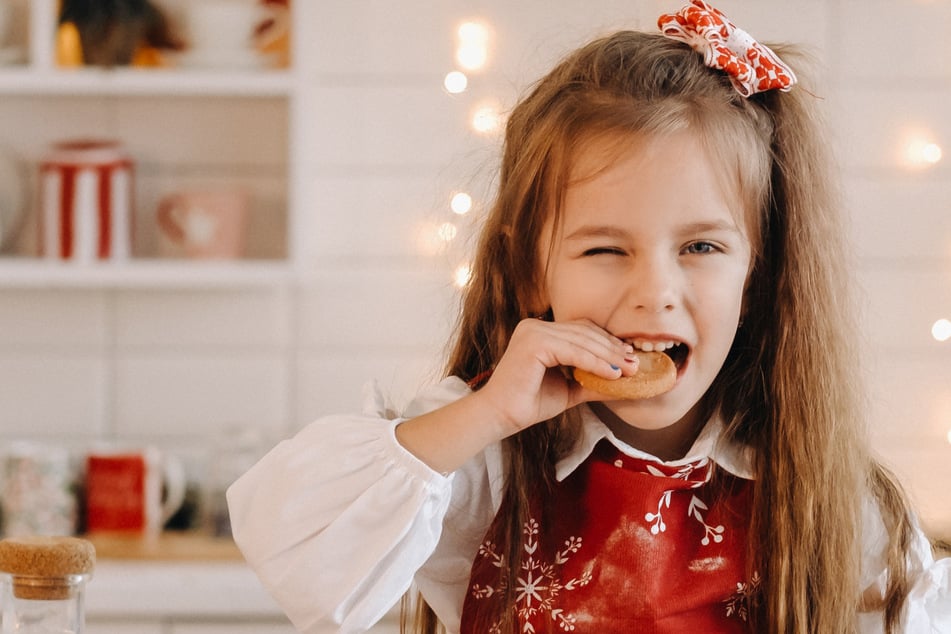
(659, 193)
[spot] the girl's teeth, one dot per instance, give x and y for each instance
(653, 346)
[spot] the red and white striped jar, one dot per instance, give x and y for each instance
(86, 201)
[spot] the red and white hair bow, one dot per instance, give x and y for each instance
(752, 67)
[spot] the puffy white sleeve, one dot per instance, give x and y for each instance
(337, 520)
(928, 607)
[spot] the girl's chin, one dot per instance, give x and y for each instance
(653, 414)
(644, 414)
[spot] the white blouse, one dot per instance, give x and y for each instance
(340, 521)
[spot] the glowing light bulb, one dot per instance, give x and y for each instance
(919, 150)
(941, 330)
(472, 49)
(472, 56)
(433, 239)
(455, 82)
(461, 203)
(931, 153)
(462, 275)
(471, 32)
(446, 232)
(486, 119)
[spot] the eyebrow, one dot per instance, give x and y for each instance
(610, 231)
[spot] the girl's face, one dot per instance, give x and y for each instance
(654, 250)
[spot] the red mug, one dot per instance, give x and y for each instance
(132, 490)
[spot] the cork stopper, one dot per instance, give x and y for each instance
(46, 567)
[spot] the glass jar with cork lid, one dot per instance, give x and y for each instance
(43, 582)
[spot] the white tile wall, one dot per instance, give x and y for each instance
(389, 147)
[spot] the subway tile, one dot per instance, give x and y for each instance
(44, 395)
(239, 319)
(391, 125)
(394, 37)
(910, 397)
(875, 127)
(913, 36)
(900, 219)
(365, 310)
(180, 395)
(902, 304)
(39, 317)
(334, 384)
(384, 216)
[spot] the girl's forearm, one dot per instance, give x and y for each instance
(448, 437)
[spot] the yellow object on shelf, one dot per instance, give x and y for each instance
(69, 46)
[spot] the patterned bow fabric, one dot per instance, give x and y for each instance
(752, 67)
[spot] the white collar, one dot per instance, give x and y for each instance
(710, 444)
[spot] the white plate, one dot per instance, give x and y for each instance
(12, 208)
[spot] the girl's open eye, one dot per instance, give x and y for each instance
(700, 247)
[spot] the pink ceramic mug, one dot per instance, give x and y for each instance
(203, 223)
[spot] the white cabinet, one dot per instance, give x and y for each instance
(185, 127)
(187, 597)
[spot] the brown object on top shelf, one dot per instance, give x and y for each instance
(114, 32)
(45, 568)
(169, 546)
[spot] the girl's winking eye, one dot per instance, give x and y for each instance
(603, 251)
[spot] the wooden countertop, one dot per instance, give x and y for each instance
(169, 546)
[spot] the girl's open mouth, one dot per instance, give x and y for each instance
(678, 351)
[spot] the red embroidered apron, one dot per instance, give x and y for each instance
(626, 545)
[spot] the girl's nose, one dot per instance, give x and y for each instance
(652, 287)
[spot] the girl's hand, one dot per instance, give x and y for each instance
(529, 384)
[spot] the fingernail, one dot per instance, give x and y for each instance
(615, 368)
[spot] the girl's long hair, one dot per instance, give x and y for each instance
(789, 387)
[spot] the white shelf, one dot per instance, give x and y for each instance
(134, 81)
(40, 77)
(38, 273)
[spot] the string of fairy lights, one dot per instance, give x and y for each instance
(472, 48)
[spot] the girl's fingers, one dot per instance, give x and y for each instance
(529, 382)
(577, 344)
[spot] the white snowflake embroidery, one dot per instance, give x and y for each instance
(538, 582)
(739, 602)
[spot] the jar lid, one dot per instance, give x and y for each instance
(40, 556)
(45, 568)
